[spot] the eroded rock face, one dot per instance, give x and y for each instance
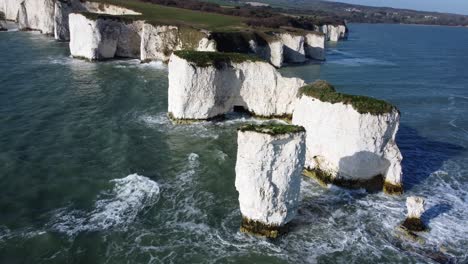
(63, 8)
(93, 39)
(158, 42)
(268, 178)
(315, 46)
(205, 92)
(11, 8)
(348, 145)
(266, 46)
(129, 42)
(37, 15)
(293, 46)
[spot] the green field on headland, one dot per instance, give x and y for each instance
(159, 14)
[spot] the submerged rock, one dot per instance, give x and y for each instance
(350, 139)
(270, 159)
(203, 85)
(413, 222)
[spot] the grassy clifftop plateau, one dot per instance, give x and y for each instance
(212, 16)
(325, 92)
(159, 14)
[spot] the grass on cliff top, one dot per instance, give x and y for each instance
(272, 129)
(165, 15)
(325, 92)
(205, 59)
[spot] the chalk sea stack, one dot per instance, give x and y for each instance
(203, 85)
(415, 207)
(350, 139)
(270, 159)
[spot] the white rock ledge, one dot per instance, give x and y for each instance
(204, 92)
(346, 146)
(268, 179)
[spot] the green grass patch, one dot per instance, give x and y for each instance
(272, 129)
(165, 15)
(325, 92)
(205, 59)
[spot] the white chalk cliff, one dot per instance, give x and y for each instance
(37, 15)
(293, 45)
(93, 39)
(348, 145)
(203, 92)
(315, 46)
(159, 41)
(268, 175)
(334, 32)
(11, 8)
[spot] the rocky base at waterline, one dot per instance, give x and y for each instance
(270, 159)
(203, 85)
(365, 152)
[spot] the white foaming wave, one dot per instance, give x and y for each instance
(355, 62)
(448, 229)
(134, 63)
(128, 198)
(163, 124)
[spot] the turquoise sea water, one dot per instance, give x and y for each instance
(91, 170)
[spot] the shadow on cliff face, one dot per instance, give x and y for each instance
(421, 156)
(363, 163)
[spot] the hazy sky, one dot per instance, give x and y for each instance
(450, 6)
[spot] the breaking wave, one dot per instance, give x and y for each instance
(120, 207)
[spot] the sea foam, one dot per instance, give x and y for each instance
(129, 196)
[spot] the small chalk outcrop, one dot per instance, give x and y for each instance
(350, 139)
(203, 85)
(37, 15)
(415, 207)
(10, 8)
(315, 46)
(269, 163)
